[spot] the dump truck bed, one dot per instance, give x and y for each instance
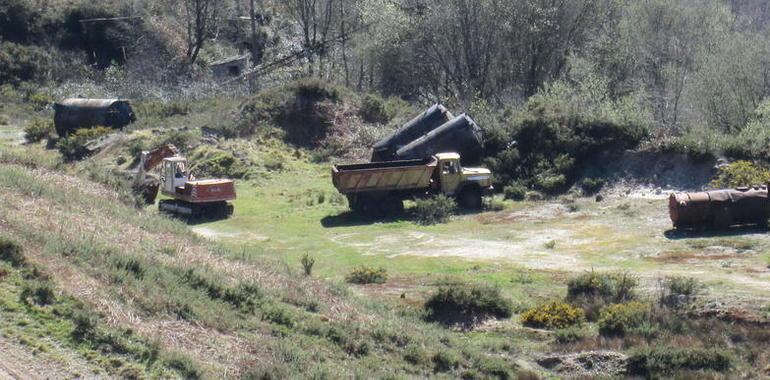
(383, 176)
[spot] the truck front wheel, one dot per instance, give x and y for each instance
(470, 198)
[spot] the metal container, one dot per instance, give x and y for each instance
(383, 176)
(460, 135)
(720, 208)
(72, 114)
(432, 118)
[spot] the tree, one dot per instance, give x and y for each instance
(316, 19)
(201, 20)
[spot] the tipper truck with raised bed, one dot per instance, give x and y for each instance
(378, 188)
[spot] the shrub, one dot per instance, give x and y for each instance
(591, 186)
(307, 264)
(38, 129)
(84, 325)
(515, 191)
(552, 315)
(445, 360)
(75, 146)
(11, 252)
(656, 361)
(279, 315)
(569, 335)
(566, 123)
(457, 302)
(372, 109)
(740, 173)
(610, 287)
(179, 138)
(183, 364)
(676, 291)
(22, 63)
(435, 209)
(300, 108)
(38, 292)
(618, 319)
(367, 275)
(416, 355)
(494, 368)
(218, 164)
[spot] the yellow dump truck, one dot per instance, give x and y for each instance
(381, 187)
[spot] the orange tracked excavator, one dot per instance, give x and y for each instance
(189, 196)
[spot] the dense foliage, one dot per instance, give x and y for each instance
(467, 301)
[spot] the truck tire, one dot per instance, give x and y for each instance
(470, 198)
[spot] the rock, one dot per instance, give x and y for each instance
(599, 197)
(120, 160)
(658, 191)
(586, 364)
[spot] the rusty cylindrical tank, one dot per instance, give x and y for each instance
(72, 114)
(461, 135)
(720, 208)
(432, 118)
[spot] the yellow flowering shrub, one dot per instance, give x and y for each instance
(552, 315)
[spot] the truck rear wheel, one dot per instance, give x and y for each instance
(470, 198)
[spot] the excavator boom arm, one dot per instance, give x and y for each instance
(150, 160)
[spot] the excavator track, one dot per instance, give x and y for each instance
(196, 210)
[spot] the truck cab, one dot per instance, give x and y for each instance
(468, 185)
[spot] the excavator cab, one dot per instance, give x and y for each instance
(173, 174)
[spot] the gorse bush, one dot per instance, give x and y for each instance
(610, 287)
(515, 191)
(367, 275)
(435, 209)
(445, 360)
(22, 63)
(11, 251)
(591, 186)
(213, 163)
(552, 315)
(467, 301)
(677, 291)
(661, 360)
(372, 109)
(563, 124)
(619, 319)
(38, 129)
(740, 173)
(39, 292)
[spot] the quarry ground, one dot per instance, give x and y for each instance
(529, 249)
(298, 212)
